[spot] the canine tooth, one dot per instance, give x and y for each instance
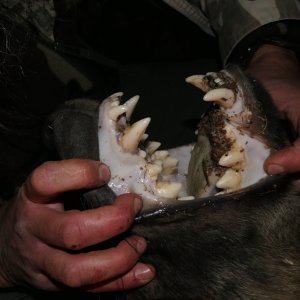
(231, 158)
(186, 198)
(223, 96)
(133, 134)
(197, 80)
(170, 162)
(116, 111)
(153, 170)
(131, 103)
(230, 180)
(168, 189)
(152, 147)
(160, 154)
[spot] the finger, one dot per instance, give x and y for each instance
(139, 275)
(284, 161)
(85, 269)
(78, 229)
(52, 178)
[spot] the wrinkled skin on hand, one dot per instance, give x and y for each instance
(41, 243)
(278, 70)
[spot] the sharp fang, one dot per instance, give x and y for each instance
(224, 97)
(153, 170)
(233, 157)
(152, 147)
(133, 135)
(116, 111)
(170, 162)
(230, 180)
(197, 80)
(168, 189)
(130, 104)
(161, 154)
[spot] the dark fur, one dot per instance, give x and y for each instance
(245, 246)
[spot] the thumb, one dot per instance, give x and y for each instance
(284, 161)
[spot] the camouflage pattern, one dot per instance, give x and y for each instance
(232, 20)
(229, 20)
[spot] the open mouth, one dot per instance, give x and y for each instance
(233, 140)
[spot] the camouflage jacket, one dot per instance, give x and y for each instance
(230, 20)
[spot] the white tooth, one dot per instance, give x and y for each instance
(170, 162)
(224, 97)
(133, 134)
(233, 157)
(168, 189)
(153, 170)
(116, 111)
(142, 153)
(152, 147)
(160, 154)
(131, 103)
(145, 136)
(230, 180)
(186, 198)
(197, 80)
(158, 162)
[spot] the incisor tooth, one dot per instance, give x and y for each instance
(224, 97)
(233, 157)
(197, 80)
(152, 147)
(130, 104)
(168, 189)
(230, 180)
(133, 134)
(116, 111)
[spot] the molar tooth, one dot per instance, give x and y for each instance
(152, 147)
(142, 153)
(223, 96)
(158, 162)
(233, 157)
(116, 111)
(133, 134)
(170, 162)
(160, 154)
(197, 80)
(130, 104)
(153, 170)
(230, 180)
(168, 189)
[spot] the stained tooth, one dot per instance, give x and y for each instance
(116, 111)
(168, 189)
(153, 170)
(131, 103)
(170, 162)
(233, 157)
(160, 154)
(169, 171)
(230, 180)
(197, 80)
(133, 134)
(224, 97)
(152, 147)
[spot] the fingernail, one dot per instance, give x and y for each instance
(275, 169)
(137, 205)
(104, 172)
(144, 272)
(141, 246)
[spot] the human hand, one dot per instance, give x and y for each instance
(40, 243)
(278, 70)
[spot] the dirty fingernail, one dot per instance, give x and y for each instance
(104, 172)
(144, 272)
(275, 169)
